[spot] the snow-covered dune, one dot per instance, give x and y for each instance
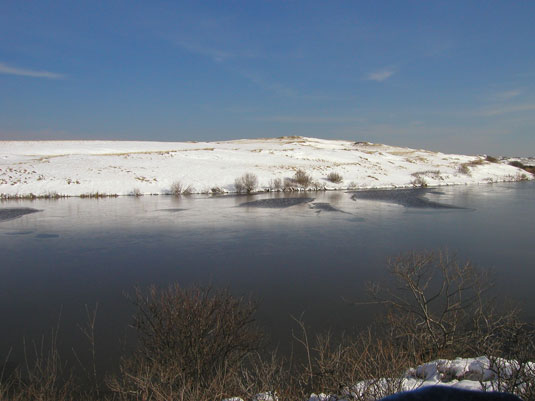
(76, 168)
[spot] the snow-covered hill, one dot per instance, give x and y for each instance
(76, 168)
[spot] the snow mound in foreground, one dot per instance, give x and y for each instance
(477, 374)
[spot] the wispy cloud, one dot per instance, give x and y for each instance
(311, 119)
(275, 87)
(6, 69)
(217, 55)
(507, 109)
(507, 95)
(381, 75)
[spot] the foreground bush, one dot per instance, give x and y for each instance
(189, 341)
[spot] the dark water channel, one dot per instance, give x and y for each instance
(299, 253)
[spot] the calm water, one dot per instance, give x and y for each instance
(295, 254)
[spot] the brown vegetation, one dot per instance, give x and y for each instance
(202, 344)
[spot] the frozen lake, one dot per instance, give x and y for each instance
(294, 253)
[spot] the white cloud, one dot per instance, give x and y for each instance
(311, 119)
(216, 54)
(381, 75)
(508, 109)
(6, 69)
(502, 96)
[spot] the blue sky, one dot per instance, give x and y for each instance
(454, 76)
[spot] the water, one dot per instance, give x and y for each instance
(302, 253)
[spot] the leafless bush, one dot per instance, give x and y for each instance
(44, 376)
(190, 342)
(464, 169)
(434, 174)
(433, 303)
(267, 373)
(289, 184)
(302, 179)
(364, 367)
(334, 177)
(276, 184)
(177, 189)
(509, 344)
(238, 185)
(517, 164)
(246, 183)
(419, 182)
(318, 186)
(137, 192)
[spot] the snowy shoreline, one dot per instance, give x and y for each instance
(88, 168)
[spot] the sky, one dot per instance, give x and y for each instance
(451, 76)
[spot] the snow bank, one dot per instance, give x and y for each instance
(75, 168)
(465, 373)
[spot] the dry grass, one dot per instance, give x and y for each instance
(334, 177)
(178, 189)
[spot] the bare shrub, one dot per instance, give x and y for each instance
(250, 182)
(476, 162)
(511, 359)
(216, 190)
(302, 179)
(188, 190)
(44, 376)
(136, 192)
(191, 341)
(464, 169)
(364, 367)
(246, 183)
(433, 303)
(491, 159)
(289, 184)
(276, 184)
(517, 164)
(318, 186)
(238, 185)
(334, 177)
(419, 181)
(177, 189)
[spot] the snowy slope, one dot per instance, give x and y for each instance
(76, 168)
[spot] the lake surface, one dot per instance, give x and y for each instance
(295, 253)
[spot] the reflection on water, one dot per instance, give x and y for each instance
(325, 207)
(277, 203)
(290, 257)
(414, 198)
(13, 213)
